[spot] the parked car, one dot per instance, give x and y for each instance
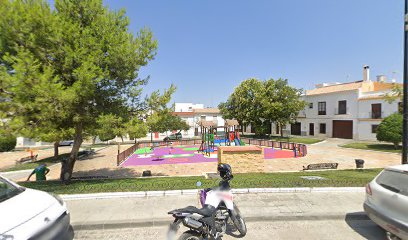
(173, 136)
(386, 201)
(32, 214)
(66, 143)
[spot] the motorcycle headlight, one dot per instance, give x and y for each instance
(58, 198)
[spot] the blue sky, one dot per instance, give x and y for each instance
(206, 48)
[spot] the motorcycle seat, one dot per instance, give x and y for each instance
(205, 211)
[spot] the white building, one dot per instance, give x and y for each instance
(345, 110)
(193, 113)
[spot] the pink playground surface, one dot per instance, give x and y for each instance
(185, 155)
(271, 153)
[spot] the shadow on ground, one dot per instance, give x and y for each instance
(362, 225)
(111, 173)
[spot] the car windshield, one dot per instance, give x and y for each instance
(394, 181)
(8, 190)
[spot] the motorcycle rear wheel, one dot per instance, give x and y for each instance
(190, 235)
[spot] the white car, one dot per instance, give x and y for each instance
(30, 214)
(386, 203)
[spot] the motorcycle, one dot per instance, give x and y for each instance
(210, 221)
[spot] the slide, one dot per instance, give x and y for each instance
(237, 142)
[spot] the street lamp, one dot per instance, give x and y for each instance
(405, 90)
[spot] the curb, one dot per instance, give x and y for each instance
(166, 221)
(189, 192)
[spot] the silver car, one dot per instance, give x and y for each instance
(386, 201)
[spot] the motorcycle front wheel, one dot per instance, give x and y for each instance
(238, 221)
(190, 235)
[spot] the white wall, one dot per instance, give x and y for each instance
(187, 107)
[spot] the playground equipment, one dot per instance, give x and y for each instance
(208, 130)
(231, 128)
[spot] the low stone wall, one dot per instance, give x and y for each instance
(243, 159)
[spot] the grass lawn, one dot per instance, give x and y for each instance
(298, 140)
(25, 166)
(340, 178)
(303, 140)
(373, 146)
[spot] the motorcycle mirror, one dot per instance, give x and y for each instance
(198, 184)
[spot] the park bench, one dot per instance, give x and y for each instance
(27, 159)
(319, 166)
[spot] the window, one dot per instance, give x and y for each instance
(322, 128)
(203, 118)
(321, 108)
(311, 105)
(394, 181)
(374, 128)
(376, 111)
(342, 107)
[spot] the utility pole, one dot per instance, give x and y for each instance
(405, 97)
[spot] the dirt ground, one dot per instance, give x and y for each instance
(8, 159)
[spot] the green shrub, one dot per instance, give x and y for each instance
(390, 129)
(7, 143)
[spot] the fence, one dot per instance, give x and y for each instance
(301, 148)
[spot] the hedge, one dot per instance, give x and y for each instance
(7, 143)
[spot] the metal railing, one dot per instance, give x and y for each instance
(302, 148)
(341, 111)
(376, 115)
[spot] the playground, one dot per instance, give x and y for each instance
(189, 152)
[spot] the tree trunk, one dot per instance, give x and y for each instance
(93, 140)
(281, 130)
(56, 148)
(67, 166)
(121, 138)
(396, 145)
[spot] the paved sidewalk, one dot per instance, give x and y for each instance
(152, 211)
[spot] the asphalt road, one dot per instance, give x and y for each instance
(285, 230)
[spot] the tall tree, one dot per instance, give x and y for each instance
(244, 103)
(281, 103)
(136, 128)
(259, 103)
(69, 65)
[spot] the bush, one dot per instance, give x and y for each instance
(7, 143)
(390, 129)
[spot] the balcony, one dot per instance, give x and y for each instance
(341, 111)
(376, 115)
(371, 115)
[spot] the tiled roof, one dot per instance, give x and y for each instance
(183, 114)
(353, 86)
(207, 110)
(335, 88)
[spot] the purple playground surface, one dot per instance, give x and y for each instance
(168, 155)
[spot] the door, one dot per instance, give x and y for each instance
(311, 129)
(343, 129)
(295, 128)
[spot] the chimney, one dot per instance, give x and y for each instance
(381, 78)
(366, 73)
